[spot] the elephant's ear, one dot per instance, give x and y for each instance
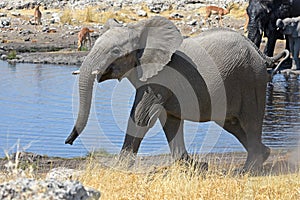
(266, 5)
(110, 23)
(279, 23)
(159, 39)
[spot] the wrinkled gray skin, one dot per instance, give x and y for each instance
(291, 28)
(219, 76)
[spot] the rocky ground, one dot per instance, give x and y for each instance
(55, 41)
(55, 178)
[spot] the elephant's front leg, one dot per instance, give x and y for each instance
(144, 113)
(173, 128)
(295, 51)
(133, 138)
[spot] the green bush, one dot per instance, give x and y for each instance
(12, 54)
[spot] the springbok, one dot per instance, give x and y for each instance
(83, 36)
(37, 16)
(217, 10)
(246, 22)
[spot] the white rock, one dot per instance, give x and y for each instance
(141, 13)
(63, 174)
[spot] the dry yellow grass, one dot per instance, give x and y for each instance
(173, 183)
(94, 14)
(176, 182)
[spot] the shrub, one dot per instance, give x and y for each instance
(12, 54)
(66, 17)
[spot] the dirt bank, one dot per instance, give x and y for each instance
(279, 162)
(22, 41)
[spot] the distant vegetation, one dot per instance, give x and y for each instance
(12, 54)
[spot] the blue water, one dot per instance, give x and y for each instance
(39, 105)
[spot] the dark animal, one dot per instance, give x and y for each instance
(291, 29)
(262, 20)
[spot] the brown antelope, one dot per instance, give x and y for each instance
(246, 22)
(37, 16)
(217, 10)
(83, 36)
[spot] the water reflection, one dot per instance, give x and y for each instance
(282, 122)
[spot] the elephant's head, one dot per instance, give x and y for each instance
(262, 18)
(258, 12)
(143, 48)
(289, 26)
(284, 25)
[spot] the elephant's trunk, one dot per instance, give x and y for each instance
(254, 31)
(86, 81)
(285, 54)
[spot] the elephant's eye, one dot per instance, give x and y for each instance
(116, 51)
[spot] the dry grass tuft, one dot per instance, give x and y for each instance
(177, 182)
(66, 17)
(88, 14)
(238, 11)
(174, 182)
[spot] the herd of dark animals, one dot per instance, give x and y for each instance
(262, 16)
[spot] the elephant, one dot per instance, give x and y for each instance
(262, 20)
(291, 28)
(218, 76)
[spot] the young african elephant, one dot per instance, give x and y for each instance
(219, 75)
(291, 28)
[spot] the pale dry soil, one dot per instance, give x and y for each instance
(279, 162)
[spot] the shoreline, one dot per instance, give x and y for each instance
(279, 161)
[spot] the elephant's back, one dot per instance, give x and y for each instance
(226, 57)
(222, 47)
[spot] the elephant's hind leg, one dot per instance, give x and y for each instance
(233, 126)
(250, 120)
(296, 50)
(257, 151)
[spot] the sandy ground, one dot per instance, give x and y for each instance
(279, 162)
(33, 45)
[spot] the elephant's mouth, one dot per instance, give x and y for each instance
(105, 76)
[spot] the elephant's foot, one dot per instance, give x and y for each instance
(190, 164)
(125, 160)
(197, 166)
(266, 153)
(254, 162)
(72, 137)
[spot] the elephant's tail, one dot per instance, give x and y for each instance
(285, 55)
